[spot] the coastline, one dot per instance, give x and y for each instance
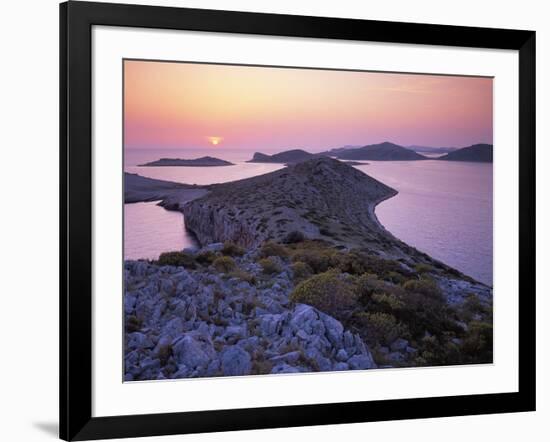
(176, 196)
(375, 301)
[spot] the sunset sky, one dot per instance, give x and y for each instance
(182, 105)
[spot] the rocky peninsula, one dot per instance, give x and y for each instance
(295, 274)
(196, 162)
(141, 189)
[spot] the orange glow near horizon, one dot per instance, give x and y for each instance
(172, 105)
(215, 140)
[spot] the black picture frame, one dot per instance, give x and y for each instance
(76, 21)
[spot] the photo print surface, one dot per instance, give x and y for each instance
(293, 220)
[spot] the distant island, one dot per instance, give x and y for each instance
(197, 162)
(286, 157)
(480, 153)
(385, 151)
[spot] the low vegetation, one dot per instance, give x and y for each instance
(243, 276)
(384, 301)
(182, 259)
(232, 249)
(330, 292)
(271, 248)
(300, 271)
(270, 266)
(224, 264)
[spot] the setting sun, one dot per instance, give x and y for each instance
(215, 140)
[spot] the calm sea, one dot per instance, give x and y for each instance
(443, 208)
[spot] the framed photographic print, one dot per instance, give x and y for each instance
(273, 220)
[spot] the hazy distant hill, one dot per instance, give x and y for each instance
(380, 152)
(481, 153)
(336, 150)
(197, 162)
(432, 150)
(288, 156)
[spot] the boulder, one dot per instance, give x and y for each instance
(395, 357)
(399, 344)
(302, 316)
(214, 247)
(290, 358)
(340, 366)
(334, 329)
(271, 324)
(173, 329)
(235, 332)
(361, 362)
(138, 341)
(235, 361)
(284, 368)
(342, 355)
(193, 350)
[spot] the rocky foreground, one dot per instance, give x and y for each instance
(300, 307)
(183, 322)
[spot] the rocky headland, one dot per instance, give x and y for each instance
(141, 189)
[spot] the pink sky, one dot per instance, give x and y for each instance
(182, 105)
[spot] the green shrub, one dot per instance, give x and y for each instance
(133, 324)
(300, 270)
(473, 308)
(232, 249)
(270, 266)
(164, 353)
(271, 248)
(425, 309)
(423, 268)
(396, 278)
(328, 291)
(382, 328)
(294, 237)
(478, 343)
(260, 365)
(425, 287)
(318, 262)
(206, 257)
(243, 276)
(224, 264)
(366, 285)
(183, 259)
(389, 301)
(250, 304)
(356, 263)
